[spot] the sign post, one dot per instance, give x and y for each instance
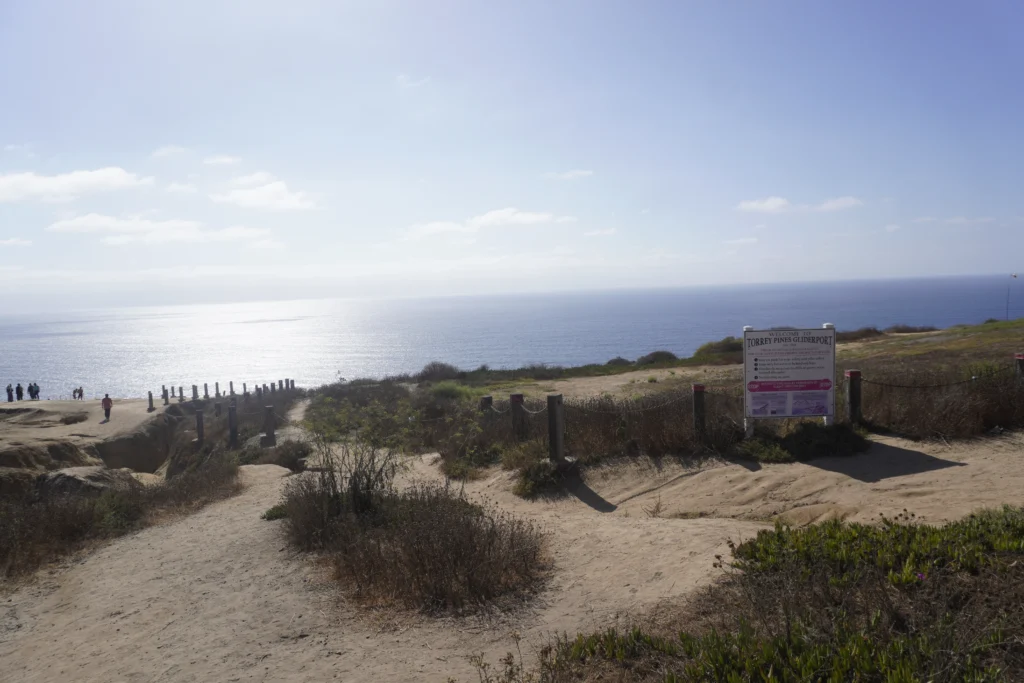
(788, 373)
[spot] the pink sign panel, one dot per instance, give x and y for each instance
(791, 385)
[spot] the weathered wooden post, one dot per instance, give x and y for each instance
(264, 389)
(181, 394)
(232, 426)
(280, 385)
(273, 388)
(700, 423)
(486, 403)
(216, 409)
(172, 392)
(293, 384)
(556, 428)
(1018, 359)
(151, 408)
(200, 432)
(166, 400)
(268, 438)
(231, 388)
(206, 390)
(853, 404)
(520, 426)
(195, 393)
(216, 389)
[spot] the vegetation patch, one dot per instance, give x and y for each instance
(897, 602)
(278, 511)
(427, 547)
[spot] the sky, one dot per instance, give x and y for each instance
(218, 150)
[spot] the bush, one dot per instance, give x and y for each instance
(540, 476)
(437, 371)
(731, 345)
(278, 511)
(451, 391)
(909, 329)
(858, 335)
(426, 547)
(618, 361)
(656, 357)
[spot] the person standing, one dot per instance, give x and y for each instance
(10, 394)
(19, 391)
(107, 405)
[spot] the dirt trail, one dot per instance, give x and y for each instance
(217, 596)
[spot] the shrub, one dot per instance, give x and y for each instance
(657, 357)
(538, 477)
(858, 335)
(618, 361)
(451, 391)
(278, 511)
(909, 329)
(652, 380)
(728, 345)
(426, 547)
(437, 371)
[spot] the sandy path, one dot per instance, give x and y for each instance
(217, 596)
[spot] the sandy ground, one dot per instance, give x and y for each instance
(630, 383)
(218, 596)
(30, 423)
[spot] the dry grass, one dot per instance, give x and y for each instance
(425, 548)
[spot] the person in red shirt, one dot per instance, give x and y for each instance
(107, 405)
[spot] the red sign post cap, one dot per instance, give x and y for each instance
(698, 387)
(853, 373)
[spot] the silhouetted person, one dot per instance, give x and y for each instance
(107, 405)
(19, 391)
(10, 394)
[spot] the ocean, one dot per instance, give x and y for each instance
(127, 352)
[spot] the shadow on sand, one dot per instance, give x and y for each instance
(574, 486)
(883, 461)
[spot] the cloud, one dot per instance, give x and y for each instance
(25, 149)
(405, 81)
(66, 186)
(925, 219)
(967, 220)
(491, 219)
(15, 242)
(600, 233)
(513, 216)
(182, 188)
(644, 212)
(741, 241)
(167, 151)
(221, 160)
(139, 230)
(568, 175)
(892, 227)
(258, 178)
(782, 205)
(262, 191)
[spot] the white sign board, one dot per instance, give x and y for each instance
(789, 373)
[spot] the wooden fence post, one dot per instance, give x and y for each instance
(206, 390)
(520, 426)
(200, 432)
(172, 392)
(556, 428)
(853, 402)
(268, 438)
(1019, 360)
(486, 403)
(181, 394)
(232, 426)
(231, 388)
(293, 384)
(700, 424)
(216, 389)
(195, 392)
(151, 408)
(272, 389)
(166, 400)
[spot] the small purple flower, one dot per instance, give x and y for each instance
(920, 576)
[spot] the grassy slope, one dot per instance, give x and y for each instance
(956, 345)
